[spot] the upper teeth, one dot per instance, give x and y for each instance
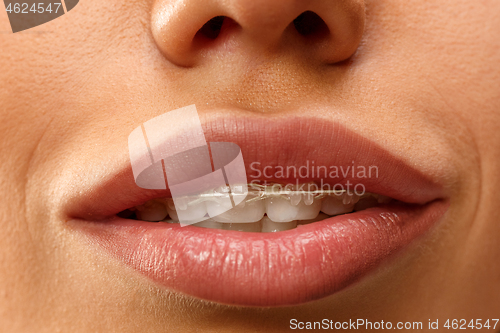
(152, 210)
(284, 209)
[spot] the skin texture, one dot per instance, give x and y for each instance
(422, 82)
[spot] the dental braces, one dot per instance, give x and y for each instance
(267, 191)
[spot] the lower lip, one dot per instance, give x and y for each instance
(265, 269)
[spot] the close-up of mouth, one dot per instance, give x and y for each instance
(351, 206)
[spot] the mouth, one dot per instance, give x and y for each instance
(279, 247)
(266, 208)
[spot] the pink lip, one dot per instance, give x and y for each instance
(262, 269)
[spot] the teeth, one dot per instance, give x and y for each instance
(172, 213)
(280, 209)
(218, 206)
(244, 212)
(248, 227)
(180, 203)
(285, 209)
(269, 225)
(295, 198)
(209, 223)
(193, 212)
(348, 199)
(308, 208)
(308, 198)
(333, 205)
(152, 211)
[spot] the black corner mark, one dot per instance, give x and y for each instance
(26, 14)
(70, 4)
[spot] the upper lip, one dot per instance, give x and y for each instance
(288, 142)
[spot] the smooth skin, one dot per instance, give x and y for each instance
(423, 81)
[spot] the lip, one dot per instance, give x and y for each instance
(267, 269)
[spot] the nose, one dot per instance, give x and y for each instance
(189, 32)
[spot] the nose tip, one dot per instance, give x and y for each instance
(319, 30)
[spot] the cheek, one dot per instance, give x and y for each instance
(444, 48)
(57, 76)
(437, 62)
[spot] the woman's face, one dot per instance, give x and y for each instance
(418, 80)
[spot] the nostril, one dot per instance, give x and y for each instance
(309, 23)
(212, 28)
